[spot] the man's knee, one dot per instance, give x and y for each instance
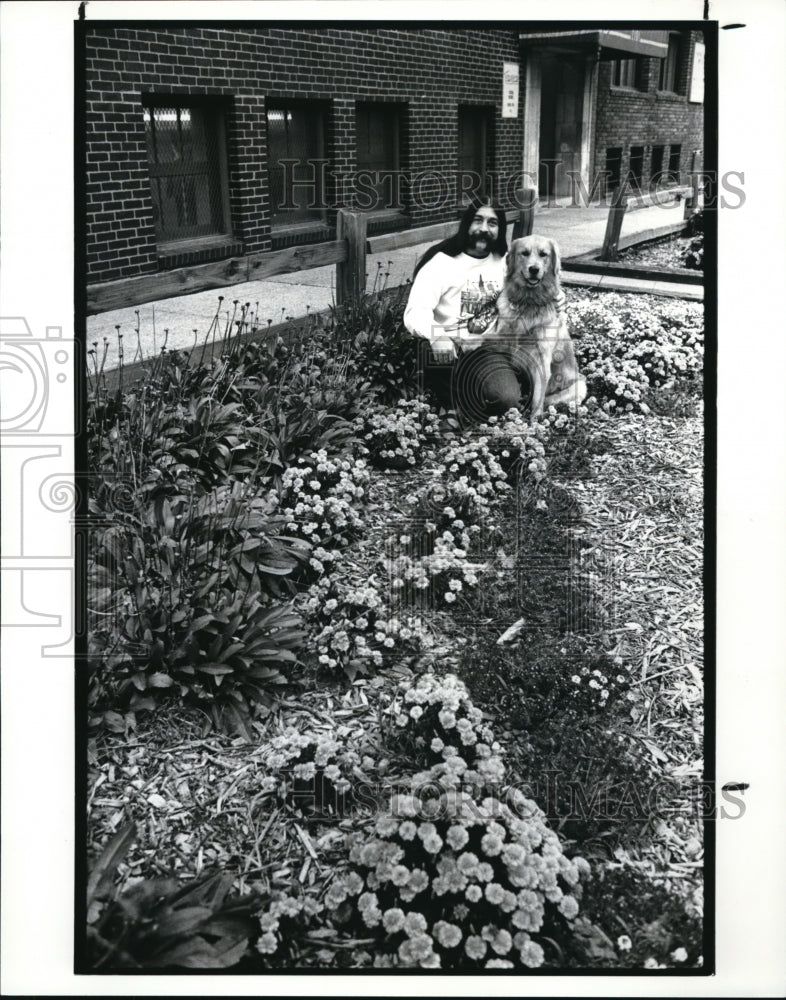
(501, 393)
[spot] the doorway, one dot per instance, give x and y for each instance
(561, 101)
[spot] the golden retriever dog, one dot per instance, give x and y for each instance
(531, 325)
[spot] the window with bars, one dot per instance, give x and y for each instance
(378, 131)
(186, 150)
(667, 77)
(475, 132)
(625, 72)
(296, 131)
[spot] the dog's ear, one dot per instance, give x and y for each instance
(555, 261)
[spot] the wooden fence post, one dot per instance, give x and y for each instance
(351, 275)
(692, 202)
(619, 205)
(525, 223)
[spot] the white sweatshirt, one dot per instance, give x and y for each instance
(448, 292)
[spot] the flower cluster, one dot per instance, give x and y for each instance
(592, 689)
(317, 762)
(692, 255)
(281, 917)
(429, 566)
(437, 716)
(518, 445)
(396, 437)
(629, 343)
(353, 627)
(454, 881)
(319, 497)
(474, 477)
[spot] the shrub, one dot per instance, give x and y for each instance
(319, 498)
(353, 628)
(384, 350)
(192, 599)
(396, 438)
(453, 881)
(432, 567)
(311, 771)
(283, 922)
(627, 344)
(160, 924)
(452, 876)
(692, 256)
(435, 719)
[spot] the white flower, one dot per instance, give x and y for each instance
(448, 935)
(624, 943)
(473, 893)
(407, 830)
(267, 943)
(568, 907)
(679, 955)
(457, 837)
(414, 923)
(475, 947)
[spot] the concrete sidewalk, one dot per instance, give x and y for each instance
(577, 230)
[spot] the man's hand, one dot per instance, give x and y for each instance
(444, 351)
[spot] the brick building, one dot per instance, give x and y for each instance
(205, 142)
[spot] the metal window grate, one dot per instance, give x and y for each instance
(185, 171)
(295, 131)
(378, 151)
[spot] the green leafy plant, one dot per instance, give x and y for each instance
(161, 924)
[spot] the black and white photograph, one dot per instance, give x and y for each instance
(375, 488)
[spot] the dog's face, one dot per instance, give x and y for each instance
(532, 258)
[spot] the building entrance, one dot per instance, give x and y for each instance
(562, 94)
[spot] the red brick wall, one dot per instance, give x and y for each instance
(431, 71)
(647, 117)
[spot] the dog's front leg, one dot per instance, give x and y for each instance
(529, 361)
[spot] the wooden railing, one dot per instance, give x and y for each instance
(347, 252)
(627, 200)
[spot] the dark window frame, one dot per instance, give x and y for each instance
(675, 156)
(469, 115)
(392, 116)
(656, 161)
(214, 196)
(614, 155)
(627, 74)
(670, 65)
(318, 114)
(636, 167)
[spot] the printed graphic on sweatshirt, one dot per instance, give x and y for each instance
(478, 304)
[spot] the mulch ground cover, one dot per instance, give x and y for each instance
(197, 799)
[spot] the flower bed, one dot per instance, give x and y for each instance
(252, 555)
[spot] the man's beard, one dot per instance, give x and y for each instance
(473, 239)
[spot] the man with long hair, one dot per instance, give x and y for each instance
(451, 306)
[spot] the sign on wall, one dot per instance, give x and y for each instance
(697, 74)
(510, 90)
